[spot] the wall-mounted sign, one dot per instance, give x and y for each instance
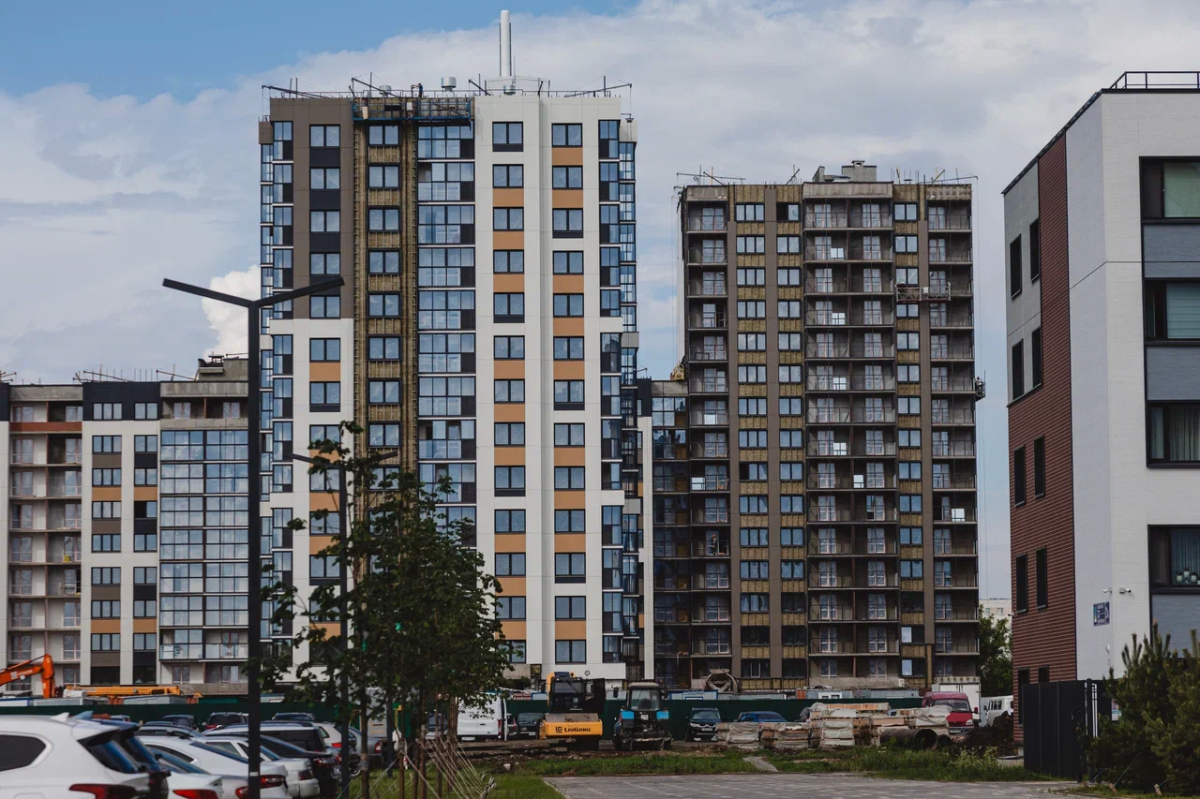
(1100, 614)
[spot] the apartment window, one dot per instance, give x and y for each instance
(508, 219)
(106, 410)
(508, 176)
(324, 136)
(910, 503)
(509, 391)
(569, 478)
(567, 177)
(510, 434)
(570, 135)
(905, 244)
(508, 261)
(1043, 578)
(325, 349)
(1035, 351)
(325, 306)
(908, 406)
(755, 536)
(1019, 476)
(748, 212)
(906, 212)
(145, 410)
(328, 395)
(570, 651)
(106, 642)
(568, 263)
(569, 521)
(751, 245)
(790, 406)
(508, 348)
(325, 221)
(510, 564)
(510, 478)
(384, 176)
(383, 220)
(1174, 432)
(1021, 570)
(789, 245)
(568, 305)
(106, 477)
(508, 307)
(508, 137)
(1170, 189)
(106, 444)
(569, 568)
(568, 222)
(510, 521)
(1018, 369)
(106, 510)
(387, 348)
(107, 575)
(378, 392)
(324, 178)
(1039, 467)
(568, 348)
(510, 607)
(1014, 266)
(568, 392)
(107, 542)
(912, 569)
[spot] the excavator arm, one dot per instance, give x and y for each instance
(43, 666)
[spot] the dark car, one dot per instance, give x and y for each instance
(324, 765)
(293, 717)
(218, 720)
(702, 724)
(761, 717)
(188, 722)
(528, 724)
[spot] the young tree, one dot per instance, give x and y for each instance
(1176, 742)
(995, 656)
(418, 609)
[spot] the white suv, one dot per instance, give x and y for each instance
(48, 757)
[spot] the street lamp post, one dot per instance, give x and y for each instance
(254, 533)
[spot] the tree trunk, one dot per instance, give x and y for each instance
(402, 754)
(364, 761)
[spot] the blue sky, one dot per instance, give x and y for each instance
(144, 48)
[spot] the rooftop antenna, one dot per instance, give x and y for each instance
(506, 60)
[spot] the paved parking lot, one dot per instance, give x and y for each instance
(787, 786)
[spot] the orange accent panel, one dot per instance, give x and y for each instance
(323, 500)
(568, 284)
(513, 630)
(145, 493)
(564, 326)
(329, 456)
(510, 542)
(106, 625)
(570, 456)
(331, 628)
(508, 240)
(318, 543)
(509, 411)
(570, 500)
(510, 456)
(569, 370)
(145, 626)
(508, 198)
(324, 372)
(570, 630)
(567, 198)
(46, 427)
(509, 370)
(566, 156)
(570, 542)
(508, 283)
(106, 494)
(512, 586)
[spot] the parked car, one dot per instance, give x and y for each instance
(224, 719)
(301, 781)
(285, 716)
(992, 708)
(139, 754)
(183, 773)
(302, 738)
(436, 725)
(529, 724)
(510, 726)
(761, 717)
(702, 724)
(50, 755)
(961, 718)
(185, 720)
(483, 722)
(273, 777)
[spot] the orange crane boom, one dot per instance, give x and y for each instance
(43, 666)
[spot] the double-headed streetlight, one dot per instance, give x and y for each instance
(254, 535)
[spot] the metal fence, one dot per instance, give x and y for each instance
(1056, 716)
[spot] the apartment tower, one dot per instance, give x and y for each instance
(486, 332)
(814, 453)
(1101, 236)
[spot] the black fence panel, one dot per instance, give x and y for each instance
(1056, 716)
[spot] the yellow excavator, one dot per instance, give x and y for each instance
(575, 711)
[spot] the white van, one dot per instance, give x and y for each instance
(992, 708)
(488, 722)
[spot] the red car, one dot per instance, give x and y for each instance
(961, 720)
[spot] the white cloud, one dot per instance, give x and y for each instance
(229, 321)
(102, 198)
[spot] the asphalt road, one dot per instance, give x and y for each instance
(788, 786)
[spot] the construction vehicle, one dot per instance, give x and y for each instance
(575, 709)
(118, 694)
(644, 719)
(43, 666)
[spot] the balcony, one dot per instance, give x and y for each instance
(671, 616)
(818, 613)
(697, 255)
(668, 484)
(709, 450)
(953, 416)
(953, 482)
(671, 518)
(857, 415)
(709, 418)
(952, 384)
(834, 482)
(830, 220)
(710, 516)
(945, 513)
(707, 615)
(848, 349)
(944, 547)
(709, 385)
(953, 449)
(955, 580)
(944, 221)
(861, 449)
(955, 320)
(707, 288)
(857, 382)
(956, 647)
(710, 582)
(181, 652)
(706, 224)
(829, 285)
(226, 651)
(943, 613)
(951, 353)
(701, 353)
(672, 582)
(707, 321)
(719, 549)
(710, 483)
(940, 290)
(713, 648)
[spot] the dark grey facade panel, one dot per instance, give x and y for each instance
(1172, 251)
(1172, 373)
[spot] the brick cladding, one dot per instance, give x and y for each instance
(1046, 637)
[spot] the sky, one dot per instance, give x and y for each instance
(129, 144)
